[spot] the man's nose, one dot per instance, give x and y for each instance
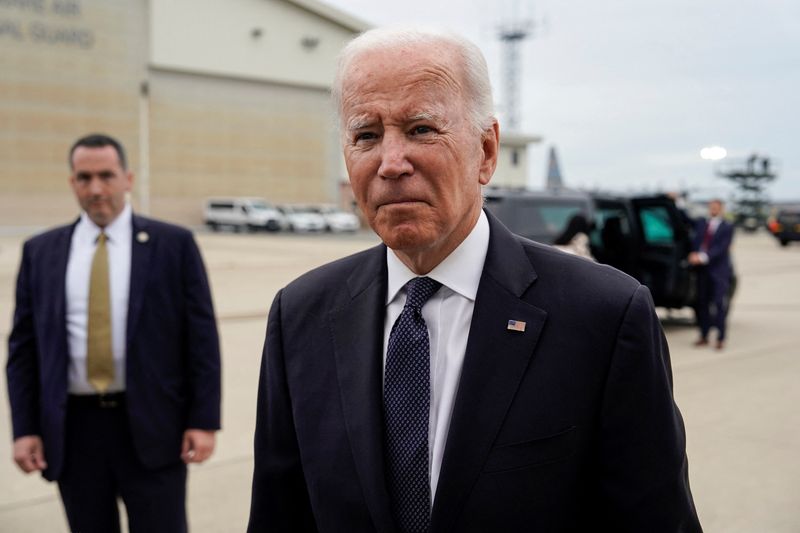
(394, 156)
(95, 185)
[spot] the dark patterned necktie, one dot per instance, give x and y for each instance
(709, 234)
(406, 395)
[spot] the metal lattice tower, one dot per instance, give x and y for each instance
(751, 178)
(512, 35)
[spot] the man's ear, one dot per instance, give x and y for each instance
(490, 143)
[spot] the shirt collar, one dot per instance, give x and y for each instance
(460, 271)
(118, 231)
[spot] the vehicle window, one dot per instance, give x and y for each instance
(538, 218)
(656, 225)
(556, 217)
(221, 205)
(259, 206)
(550, 220)
(619, 224)
(789, 218)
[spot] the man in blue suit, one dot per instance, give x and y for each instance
(113, 362)
(457, 378)
(712, 260)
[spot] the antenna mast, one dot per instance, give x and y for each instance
(512, 34)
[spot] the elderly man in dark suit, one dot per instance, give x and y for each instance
(113, 366)
(712, 260)
(457, 378)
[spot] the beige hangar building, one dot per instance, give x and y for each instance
(210, 98)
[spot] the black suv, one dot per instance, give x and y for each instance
(647, 237)
(785, 225)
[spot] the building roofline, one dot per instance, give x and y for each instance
(333, 14)
(518, 139)
(245, 78)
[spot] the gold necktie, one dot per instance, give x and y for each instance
(100, 360)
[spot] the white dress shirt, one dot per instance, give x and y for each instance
(79, 270)
(448, 315)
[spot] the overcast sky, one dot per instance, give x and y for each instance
(629, 91)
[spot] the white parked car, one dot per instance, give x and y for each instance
(252, 214)
(302, 218)
(337, 220)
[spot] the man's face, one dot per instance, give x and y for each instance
(99, 182)
(714, 208)
(415, 163)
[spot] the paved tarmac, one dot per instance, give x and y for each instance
(740, 405)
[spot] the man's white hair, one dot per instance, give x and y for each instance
(478, 97)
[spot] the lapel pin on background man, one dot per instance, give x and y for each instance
(113, 361)
(460, 378)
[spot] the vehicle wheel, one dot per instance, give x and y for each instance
(252, 229)
(784, 242)
(213, 226)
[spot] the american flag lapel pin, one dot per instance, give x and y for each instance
(516, 325)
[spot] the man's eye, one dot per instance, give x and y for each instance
(365, 136)
(421, 130)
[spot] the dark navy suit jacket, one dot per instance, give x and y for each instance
(172, 347)
(567, 426)
(719, 264)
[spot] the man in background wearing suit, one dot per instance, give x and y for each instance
(113, 359)
(457, 378)
(712, 259)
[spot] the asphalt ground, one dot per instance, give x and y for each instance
(740, 405)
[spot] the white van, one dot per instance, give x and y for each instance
(251, 214)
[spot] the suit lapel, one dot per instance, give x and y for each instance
(55, 285)
(141, 252)
(358, 346)
(495, 362)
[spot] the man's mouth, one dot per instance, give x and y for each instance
(400, 201)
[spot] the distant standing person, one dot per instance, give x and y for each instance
(113, 358)
(711, 255)
(575, 237)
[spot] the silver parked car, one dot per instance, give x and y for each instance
(302, 218)
(252, 214)
(337, 220)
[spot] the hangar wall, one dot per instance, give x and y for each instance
(67, 67)
(230, 137)
(208, 97)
